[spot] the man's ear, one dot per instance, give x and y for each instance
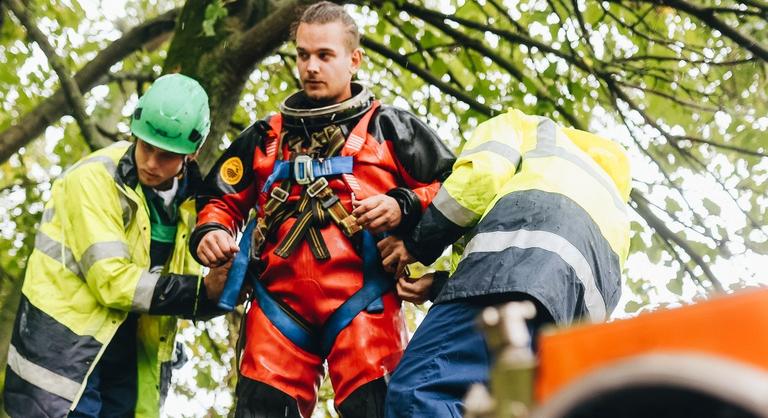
(357, 60)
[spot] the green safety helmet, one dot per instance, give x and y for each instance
(173, 114)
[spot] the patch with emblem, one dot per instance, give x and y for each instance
(231, 171)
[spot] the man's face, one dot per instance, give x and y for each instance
(325, 62)
(156, 167)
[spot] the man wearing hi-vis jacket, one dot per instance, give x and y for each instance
(543, 213)
(94, 333)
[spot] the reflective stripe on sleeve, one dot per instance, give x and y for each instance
(498, 241)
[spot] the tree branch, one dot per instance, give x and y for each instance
(32, 124)
(676, 253)
(757, 3)
(708, 16)
(72, 91)
(738, 12)
(669, 97)
(438, 20)
(425, 75)
(266, 35)
(135, 77)
(419, 49)
(720, 145)
(641, 206)
(113, 136)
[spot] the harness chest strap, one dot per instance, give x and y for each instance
(318, 191)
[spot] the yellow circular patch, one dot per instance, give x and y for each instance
(231, 171)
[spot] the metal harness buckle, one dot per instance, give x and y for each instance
(317, 187)
(302, 169)
(279, 194)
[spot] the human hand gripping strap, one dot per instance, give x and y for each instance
(236, 275)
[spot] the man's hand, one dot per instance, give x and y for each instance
(394, 256)
(378, 213)
(415, 291)
(215, 280)
(216, 248)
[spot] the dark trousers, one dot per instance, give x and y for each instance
(446, 355)
(111, 390)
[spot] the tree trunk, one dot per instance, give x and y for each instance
(10, 293)
(222, 62)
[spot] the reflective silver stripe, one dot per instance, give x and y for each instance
(48, 215)
(546, 147)
(453, 210)
(107, 161)
(497, 241)
(102, 250)
(546, 133)
(142, 299)
(496, 147)
(42, 377)
(56, 251)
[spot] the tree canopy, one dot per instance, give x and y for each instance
(680, 83)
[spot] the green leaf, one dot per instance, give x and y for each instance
(632, 306)
(530, 86)
(213, 12)
(758, 247)
(410, 29)
(429, 40)
(551, 71)
(395, 42)
(712, 207)
(637, 244)
(576, 90)
(672, 205)
(654, 252)
(676, 286)
(438, 67)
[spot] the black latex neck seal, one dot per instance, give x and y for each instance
(300, 112)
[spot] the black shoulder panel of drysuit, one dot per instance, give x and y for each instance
(231, 201)
(417, 147)
(243, 147)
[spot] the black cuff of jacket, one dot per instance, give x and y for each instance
(438, 282)
(206, 308)
(419, 252)
(197, 235)
(410, 209)
(174, 294)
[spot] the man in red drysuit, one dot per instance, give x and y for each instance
(322, 293)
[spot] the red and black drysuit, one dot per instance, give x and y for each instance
(392, 152)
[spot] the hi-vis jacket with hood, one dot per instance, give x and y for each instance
(544, 212)
(88, 270)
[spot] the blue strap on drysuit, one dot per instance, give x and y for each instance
(236, 274)
(333, 166)
(376, 282)
(302, 337)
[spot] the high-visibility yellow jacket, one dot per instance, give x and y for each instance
(88, 270)
(544, 212)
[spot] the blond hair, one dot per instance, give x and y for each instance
(327, 12)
